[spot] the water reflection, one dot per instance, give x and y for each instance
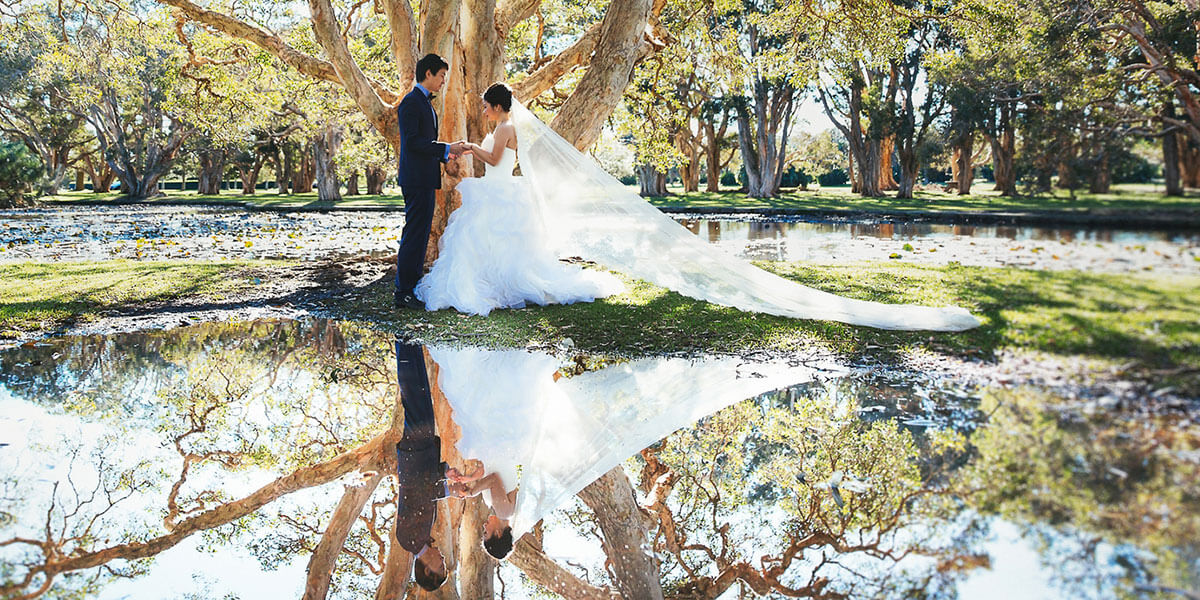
(720, 230)
(276, 443)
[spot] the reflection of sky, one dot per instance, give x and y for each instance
(33, 431)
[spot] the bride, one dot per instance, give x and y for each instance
(494, 252)
(500, 248)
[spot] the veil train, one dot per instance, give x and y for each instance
(589, 213)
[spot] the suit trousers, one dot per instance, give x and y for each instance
(418, 220)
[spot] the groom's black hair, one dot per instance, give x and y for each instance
(430, 64)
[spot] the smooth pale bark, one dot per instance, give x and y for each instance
(308, 65)
(248, 173)
(575, 55)
(327, 30)
(582, 116)
(325, 148)
(713, 138)
(324, 558)
(626, 535)
(404, 39)
(99, 172)
(963, 167)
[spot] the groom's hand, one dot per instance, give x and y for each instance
(458, 147)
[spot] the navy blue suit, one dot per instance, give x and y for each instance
(420, 169)
(419, 468)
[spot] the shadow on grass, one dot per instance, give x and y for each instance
(1141, 321)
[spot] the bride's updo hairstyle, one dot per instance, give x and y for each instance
(499, 94)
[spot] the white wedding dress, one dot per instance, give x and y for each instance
(494, 252)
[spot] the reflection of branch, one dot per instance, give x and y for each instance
(366, 457)
(320, 565)
(528, 557)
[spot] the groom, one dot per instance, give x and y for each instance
(420, 174)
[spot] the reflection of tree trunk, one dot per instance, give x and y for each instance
(375, 178)
(325, 147)
(652, 182)
(1170, 147)
(527, 556)
(212, 171)
(324, 558)
(625, 535)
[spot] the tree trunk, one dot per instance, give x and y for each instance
(652, 182)
(1100, 181)
(1170, 145)
(626, 535)
(376, 176)
(1003, 162)
(325, 147)
(249, 175)
(887, 180)
(869, 169)
(79, 183)
(966, 170)
(305, 171)
(908, 173)
(1189, 162)
(212, 171)
(712, 158)
(352, 184)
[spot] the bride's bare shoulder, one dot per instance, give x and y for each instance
(507, 132)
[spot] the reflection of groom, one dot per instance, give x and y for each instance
(418, 469)
(420, 174)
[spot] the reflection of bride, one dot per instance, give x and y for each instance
(548, 437)
(499, 247)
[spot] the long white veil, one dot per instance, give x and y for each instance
(590, 214)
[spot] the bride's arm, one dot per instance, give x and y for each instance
(500, 141)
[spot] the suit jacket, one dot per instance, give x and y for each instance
(418, 454)
(421, 154)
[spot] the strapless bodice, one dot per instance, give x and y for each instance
(504, 168)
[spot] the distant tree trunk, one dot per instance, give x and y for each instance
(100, 173)
(305, 171)
(1170, 145)
(652, 181)
(1004, 150)
(375, 178)
(212, 171)
(79, 179)
(1066, 169)
(963, 167)
(887, 181)
(908, 174)
(1100, 181)
(325, 146)
(713, 139)
(352, 184)
(764, 144)
(248, 173)
(1189, 162)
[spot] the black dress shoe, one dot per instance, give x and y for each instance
(409, 301)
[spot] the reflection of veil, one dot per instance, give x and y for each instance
(550, 439)
(588, 213)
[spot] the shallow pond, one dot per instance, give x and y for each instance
(157, 464)
(172, 232)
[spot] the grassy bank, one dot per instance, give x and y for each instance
(1146, 323)
(42, 297)
(1128, 198)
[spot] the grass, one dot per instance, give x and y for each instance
(1147, 323)
(1126, 198)
(42, 297)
